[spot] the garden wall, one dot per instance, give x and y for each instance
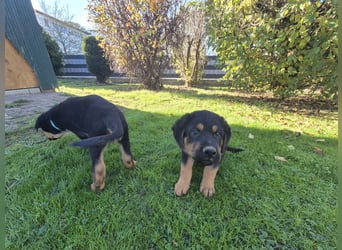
(76, 66)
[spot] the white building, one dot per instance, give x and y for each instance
(68, 35)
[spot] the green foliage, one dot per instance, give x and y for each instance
(95, 58)
(137, 35)
(55, 54)
(285, 46)
(260, 203)
(189, 50)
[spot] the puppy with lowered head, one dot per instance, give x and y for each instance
(97, 122)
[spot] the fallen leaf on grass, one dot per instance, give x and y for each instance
(280, 158)
(250, 136)
(318, 150)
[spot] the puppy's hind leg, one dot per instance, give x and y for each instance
(99, 168)
(126, 155)
(127, 158)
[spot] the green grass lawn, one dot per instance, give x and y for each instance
(262, 201)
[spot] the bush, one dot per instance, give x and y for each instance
(140, 33)
(285, 46)
(56, 56)
(96, 60)
(188, 51)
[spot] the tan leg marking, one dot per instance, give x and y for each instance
(127, 159)
(208, 181)
(53, 136)
(183, 183)
(99, 175)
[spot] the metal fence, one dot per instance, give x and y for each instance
(76, 66)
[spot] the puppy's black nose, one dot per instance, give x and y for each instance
(209, 151)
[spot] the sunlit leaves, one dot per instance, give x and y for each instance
(137, 34)
(189, 48)
(285, 46)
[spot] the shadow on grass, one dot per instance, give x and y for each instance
(48, 194)
(302, 105)
(152, 139)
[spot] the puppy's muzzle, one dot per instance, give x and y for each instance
(210, 151)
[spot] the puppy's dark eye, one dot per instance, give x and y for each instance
(218, 134)
(194, 132)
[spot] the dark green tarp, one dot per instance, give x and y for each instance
(24, 32)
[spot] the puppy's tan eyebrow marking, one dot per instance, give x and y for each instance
(214, 128)
(200, 126)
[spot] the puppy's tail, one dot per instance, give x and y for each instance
(101, 140)
(234, 150)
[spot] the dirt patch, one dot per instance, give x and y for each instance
(22, 108)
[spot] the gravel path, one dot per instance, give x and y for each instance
(21, 108)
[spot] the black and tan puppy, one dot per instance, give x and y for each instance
(203, 136)
(94, 120)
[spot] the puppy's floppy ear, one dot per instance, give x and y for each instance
(179, 129)
(227, 134)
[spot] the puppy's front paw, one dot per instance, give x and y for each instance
(181, 188)
(130, 163)
(95, 187)
(207, 191)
